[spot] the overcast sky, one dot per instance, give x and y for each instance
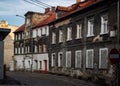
(10, 8)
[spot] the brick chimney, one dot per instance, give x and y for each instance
(47, 10)
(78, 1)
(53, 9)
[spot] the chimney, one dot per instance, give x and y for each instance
(53, 9)
(77, 1)
(47, 10)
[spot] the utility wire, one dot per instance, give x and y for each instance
(39, 3)
(44, 3)
(34, 4)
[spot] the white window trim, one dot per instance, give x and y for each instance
(69, 35)
(76, 64)
(102, 27)
(100, 56)
(60, 37)
(68, 66)
(88, 57)
(79, 31)
(34, 33)
(89, 29)
(52, 64)
(53, 38)
(59, 63)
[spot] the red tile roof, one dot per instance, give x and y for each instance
(82, 5)
(47, 20)
(21, 28)
(69, 8)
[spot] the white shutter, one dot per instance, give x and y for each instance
(68, 59)
(103, 54)
(78, 59)
(89, 58)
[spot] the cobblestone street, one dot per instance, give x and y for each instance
(39, 79)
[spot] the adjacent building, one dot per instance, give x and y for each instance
(32, 41)
(81, 38)
(8, 42)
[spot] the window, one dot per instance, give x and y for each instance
(90, 27)
(28, 49)
(89, 58)
(28, 21)
(22, 50)
(43, 30)
(79, 31)
(19, 36)
(60, 56)
(19, 50)
(60, 36)
(69, 33)
(44, 48)
(68, 59)
(35, 49)
(103, 54)
(22, 35)
(15, 50)
(104, 24)
(78, 59)
(34, 33)
(53, 58)
(53, 38)
(39, 32)
(40, 48)
(47, 30)
(40, 64)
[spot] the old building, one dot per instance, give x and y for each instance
(81, 38)
(32, 40)
(8, 42)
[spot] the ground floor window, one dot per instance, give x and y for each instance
(78, 59)
(103, 56)
(60, 56)
(53, 60)
(68, 59)
(89, 58)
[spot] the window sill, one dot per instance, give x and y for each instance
(104, 33)
(78, 38)
(69, 40)
(90, 35)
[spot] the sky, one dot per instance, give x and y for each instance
(10, 8)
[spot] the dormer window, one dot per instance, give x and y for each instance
(27, 21)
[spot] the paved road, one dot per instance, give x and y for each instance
(39, 79)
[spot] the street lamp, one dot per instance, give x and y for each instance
(20, 16)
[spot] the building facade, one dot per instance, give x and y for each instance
(82, 37)
(8, 42)
(31, 46)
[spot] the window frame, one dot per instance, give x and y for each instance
(87, 64)
(53, 38)
(76, 59)
(68, 66)
(59, 59)
(60, 35)
(100, 56)
(69, 33)
(104, 30)
(52, 63)
(90, 23)
(79, 31)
